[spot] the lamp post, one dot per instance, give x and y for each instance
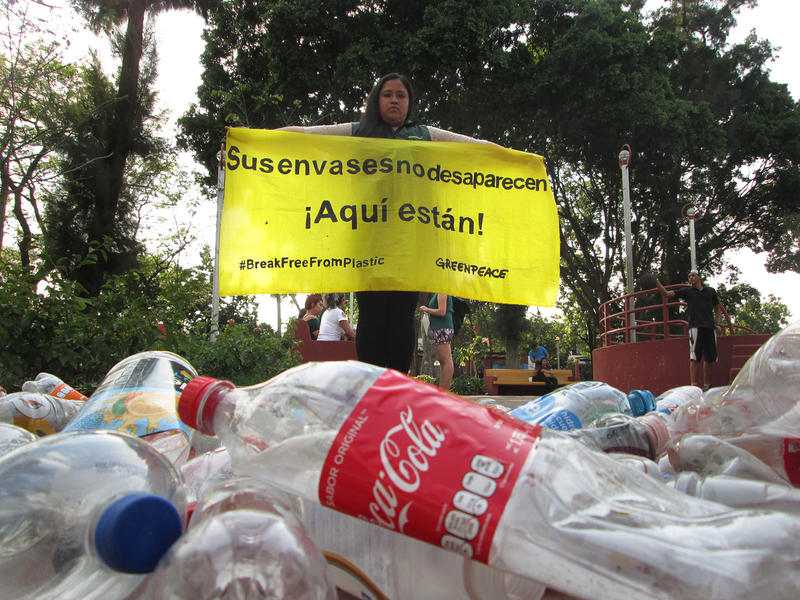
(691, 214)
(624, 161)
(558, 351)
(215, 274)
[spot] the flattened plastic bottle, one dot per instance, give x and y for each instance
(39, 413)
(84, 514)
(46, 383)
(379, 445)
(645, 435)
(738, 492)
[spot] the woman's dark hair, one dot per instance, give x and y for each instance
(333, 300)
(371, 124)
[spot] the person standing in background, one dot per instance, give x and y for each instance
(705, 316)
(535, 356)
(441, 332)
(386, 335)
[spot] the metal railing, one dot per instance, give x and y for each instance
(622, 321)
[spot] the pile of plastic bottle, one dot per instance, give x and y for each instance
(346, 480)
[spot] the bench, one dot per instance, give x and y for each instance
(509, 381)
(314, 351)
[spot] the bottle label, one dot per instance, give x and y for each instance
(36, 413)
(545, 412)
(138, 397)
(67, 392)
(426, 464)
(791, 459)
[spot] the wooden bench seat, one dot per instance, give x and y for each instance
(314, 351)
(500, 381)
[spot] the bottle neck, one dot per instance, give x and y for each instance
(209, 402)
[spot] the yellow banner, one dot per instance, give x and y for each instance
(329, 213)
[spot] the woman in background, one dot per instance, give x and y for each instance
(441, 332)
(334, 325)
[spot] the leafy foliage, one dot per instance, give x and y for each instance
(59, 331)
(466, 385)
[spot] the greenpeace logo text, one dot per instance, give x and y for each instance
(471, 269)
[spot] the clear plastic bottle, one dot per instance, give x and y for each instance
(573, 406)
(640, 463)
(12, 437)
(204, 471)
(374, 443)
(244, 541)
(39, 413)
(46, 383)
(670, 400)
(81, 512)
(739, 493)
(756, 456)
(138, 396)
(645, 435)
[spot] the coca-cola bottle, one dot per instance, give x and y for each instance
(397, 452)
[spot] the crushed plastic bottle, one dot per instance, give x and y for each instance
(12, 437)
(670, 400)
(376, 444)
(248, 542)
(645, 435)
(45, 383)
(83, 514)
(738, 492)
(642, 464)
(573, 406)
(39, 413)
(750, 456)
(138, 396)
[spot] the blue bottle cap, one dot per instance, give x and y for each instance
(641, 401)
(135, 531)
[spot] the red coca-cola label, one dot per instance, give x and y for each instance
(791, 459)
(426, 464)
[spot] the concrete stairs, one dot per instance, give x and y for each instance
(741, 353)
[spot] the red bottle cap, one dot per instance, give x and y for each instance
(198, 401)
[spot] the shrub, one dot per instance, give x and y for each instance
(466, 385)
(427, 379)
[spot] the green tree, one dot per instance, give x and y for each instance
(269, 63)
(35, 86)
(120, 134)
(746, 308)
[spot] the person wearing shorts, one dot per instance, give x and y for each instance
(705, 315)
(441, 332)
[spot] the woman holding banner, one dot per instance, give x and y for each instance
(385, 334)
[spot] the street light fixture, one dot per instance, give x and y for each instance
(691, 214)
